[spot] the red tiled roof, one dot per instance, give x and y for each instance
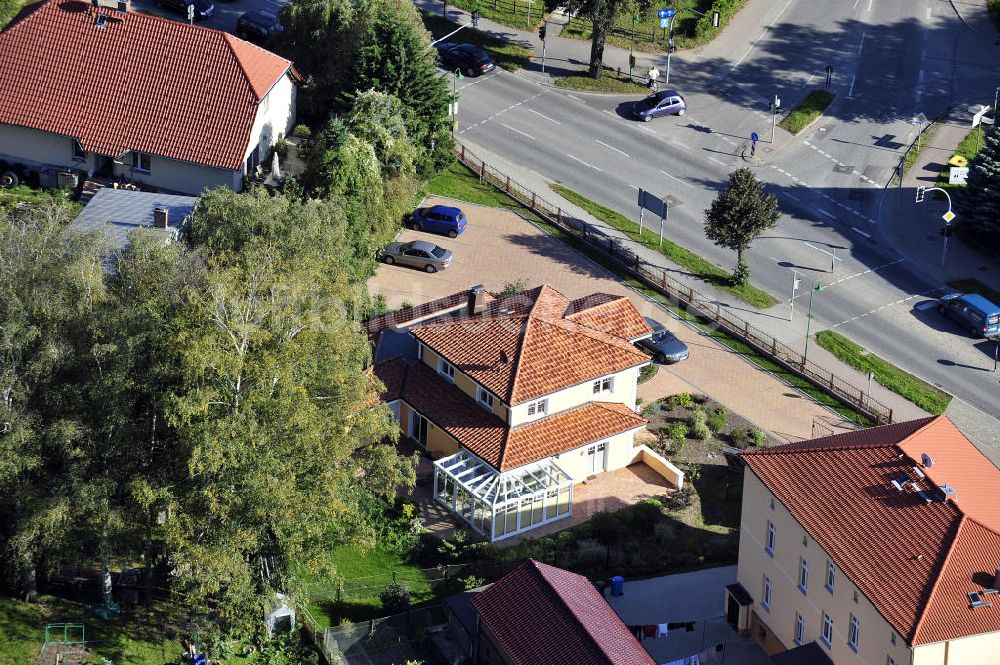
(488, 437)
(542, 615)
(140, 83)
(615, 315)
(456, 301)
(915, 561)
(522, 347)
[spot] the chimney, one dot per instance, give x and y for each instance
(123, 6)
(161, 216)
(477, 300)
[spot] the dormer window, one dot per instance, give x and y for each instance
(446, 369)
(485, 398)
(605, 385)
(538, 409)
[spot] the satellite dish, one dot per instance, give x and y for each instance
(926, 460)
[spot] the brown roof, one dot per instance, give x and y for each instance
(488, 437)
(543, 615)
(615, 315)
(914, 560)
(524, 346)
(140, 82)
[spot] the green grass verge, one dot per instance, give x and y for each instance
(904, 384)
(700, 267)
(915, 150)
(458, 182)
(973, 285)
(609, 83)
(509, 56)
(967, 148)
(994, 8)
(811, 108)
(30, 195)
(515, 13)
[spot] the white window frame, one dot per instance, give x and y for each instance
(831, 576)
(604, 385)
(803, 575)
(137, 160)
(597, 457)
(826, 636)
(765, 601)
(537, 409)
(769, 540)
(446, 369)
(800, 628)
(889, 660)
(485, 398)
(852, 633)
(79, 154)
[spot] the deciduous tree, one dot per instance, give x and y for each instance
(740, 213)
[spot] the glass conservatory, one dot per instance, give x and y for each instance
(500, 505)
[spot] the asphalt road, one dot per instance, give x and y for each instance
(224, 17)
(891, 60)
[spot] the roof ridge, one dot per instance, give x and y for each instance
(576, 617)
(517, 371)
(937, 578)
(605, 338)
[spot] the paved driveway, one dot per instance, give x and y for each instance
(499, 247)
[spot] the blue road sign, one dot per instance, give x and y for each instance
(754, 137)
(665, 13)
(664, 23)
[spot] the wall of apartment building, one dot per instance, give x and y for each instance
(792, 545)
(975, 650)
(619, 453)
(624, 390)
(464, 382)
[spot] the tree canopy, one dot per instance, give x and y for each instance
(978, 202)
(740, 213)
(602, 14)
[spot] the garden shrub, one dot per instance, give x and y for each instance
(650, 409)
(301, 132)
(684, 399)
(677, 432)
(718, 418)
(395, 597)
(697, 422)
(739, 437)
(757, 436)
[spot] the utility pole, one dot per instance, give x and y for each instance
(541, 35)
(948, 217)
(791, 303)
(809, 317)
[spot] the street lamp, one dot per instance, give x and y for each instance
(796, 280)
(948, 217)
(817, 287)
(457, 74)
(775, 107)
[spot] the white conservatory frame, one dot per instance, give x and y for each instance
(524, 498)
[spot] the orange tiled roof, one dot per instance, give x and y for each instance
(140, 83)
(456, 302)
(615, 315)
(488, 437)
(525, 346)
(915, 561)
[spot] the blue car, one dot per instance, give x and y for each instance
(666, 102)
(973, 312)
(445, 220)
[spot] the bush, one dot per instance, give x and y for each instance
(648, 372)
(302, 132)
(281, 148)
(395, 597)
(680, 499)
(757, 436)
(650, 409)
(740, 437)
(718, 418)
(683, 399)
(677, 432)
(697, 422)
(515, 287)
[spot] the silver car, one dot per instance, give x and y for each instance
(420, 254)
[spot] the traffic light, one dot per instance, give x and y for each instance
(475, 19)
(541, 32)
(715, 19)
(920, 194)
(673, 45)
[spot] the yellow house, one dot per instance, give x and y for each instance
(516, 398)
(875, 547)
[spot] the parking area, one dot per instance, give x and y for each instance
(499, 247)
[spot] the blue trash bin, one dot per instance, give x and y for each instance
(617, 585)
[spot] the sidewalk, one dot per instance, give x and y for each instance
(976, 16)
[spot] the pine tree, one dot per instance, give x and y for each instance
(979, 202)
(739, 214)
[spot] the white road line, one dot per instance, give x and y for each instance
(774, 259)
(814, 76)
(634, 187)
(793, 197)
(862, 44)
(677, 179)
(583, 162)
(807, 244)
(929, 12)
(762, 34)
(681, 145)
(892, 304)
(514, 129)
(867, 235)
(855, 4)
(611, 147)
(545, 116)
(828, 214)
(920, 76)
(717, 161)
(919, 93)
(870, 5)
(574, 97)
(850, 93)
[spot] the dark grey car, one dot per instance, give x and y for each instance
(420, 254)
(663, 344)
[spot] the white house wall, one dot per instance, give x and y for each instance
(619, 455)
(574, 396)
(38, 149)
(275, 117)
(179, 176)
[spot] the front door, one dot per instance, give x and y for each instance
(597, 458)
(732, 612)
(418, 428)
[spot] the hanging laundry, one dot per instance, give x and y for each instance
(636, 631)
(649, 630)
(676, 625)
(689, 626)
(662, 629)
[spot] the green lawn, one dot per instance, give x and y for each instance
(811, 108)
(700, 267)
(25, 194)
(913, 153)
(972, 285)
(967, 148)
(609, 83)
(509, 56)
(515, 13)
(904, 384)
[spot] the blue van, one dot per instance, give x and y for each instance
(973, 312)
(446, 220)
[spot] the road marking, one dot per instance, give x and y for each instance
(681, 145)
(929, 12)
(867, 235)
(677, 179)
(870, 5)
(634, 187)
(892, 304)
(920, 76)
(919, 93)
(612, 147)
(574, 97)
(855, 4)
(583, 162)
(792, 197)
(513, 129)
(762, 34)
(813, 76)
(862, 44)
(828, 214)
(774, 259)
(850, 93)
(545, 116)
(717, 161)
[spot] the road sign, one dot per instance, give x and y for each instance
(191, 11)
(654, 204)
(664, 23)
(754, 137)
(948, 216)
(665, 13)
(958, 175)
(978, 117)
(920, 118)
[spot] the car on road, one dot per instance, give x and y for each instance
(419, 254)
(665, 102)
(973, 312)
(663, 345)
(258, 26)
(471, 60)
(446, 220)
(203, 9)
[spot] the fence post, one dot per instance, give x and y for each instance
(463, 152)
(774, 347)
(532, 200)
(508, 185)
(482, 171)
(559, 215)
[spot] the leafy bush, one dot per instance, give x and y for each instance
(739, 437)
(512, 288)
(648, 372)
(680, 499)
(697, 422)
(302, 132)
(683, 399)
(757, 436)
(650, 409)
(285, 649)
(281, 148)
(395, 597)
(677, 432)
(718, 418)
(472, 582)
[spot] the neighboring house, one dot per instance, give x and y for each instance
(122, 94)
(542, 615)
(118, 212)
(882, 546)
(517, 398)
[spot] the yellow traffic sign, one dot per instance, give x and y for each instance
(948, 216)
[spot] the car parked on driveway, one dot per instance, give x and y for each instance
(471, 60)
(973, 312)
(446, 220)
(257, 26)
(203, 9)
(665, 102)
(419, 254)
(663, 344)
